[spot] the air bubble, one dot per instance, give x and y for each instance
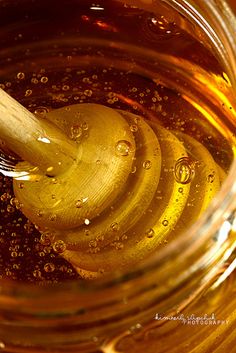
(65, 88)
(150, 233)
(14, 254)
(37, 273)
(40, 213)
(79, 203)
(10, 209)
(115, 227)
(28, 92)
(53, 218)
(59, 246)
(88, 92)
(184, 170)
(211, 177)
(45, 239)
(47, 249)
(134, 169)
(63, 268)
(49, 267)
(75, 132)
(41, 111)
(2, 345)
(147, 164)
(44, 79)
(133, 128)
(123, 147)
(85, 126)
(20, 75)
(165, 223)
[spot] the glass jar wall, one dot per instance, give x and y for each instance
(171, 62)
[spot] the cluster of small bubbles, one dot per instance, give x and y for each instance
(5, 196)
(75, 132)
(159, 26)
(20, 75)
(184, 171)
(49, 267)
(27, 247)
(28, 226)
(34, 80)
(100, 238)
(15, 203)
(117, 245)
(59, 246)
(150, 233)
(165, 223)
(94, 249)
(123, 147)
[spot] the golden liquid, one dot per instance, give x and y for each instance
(132, 61)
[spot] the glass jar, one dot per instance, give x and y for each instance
(182, 299)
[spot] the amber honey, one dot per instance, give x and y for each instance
(162, 80)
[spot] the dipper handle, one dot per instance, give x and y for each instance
(36, 141)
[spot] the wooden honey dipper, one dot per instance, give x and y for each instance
(97, 172)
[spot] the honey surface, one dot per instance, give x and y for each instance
(182, 143)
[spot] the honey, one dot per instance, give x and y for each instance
(174, 97)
